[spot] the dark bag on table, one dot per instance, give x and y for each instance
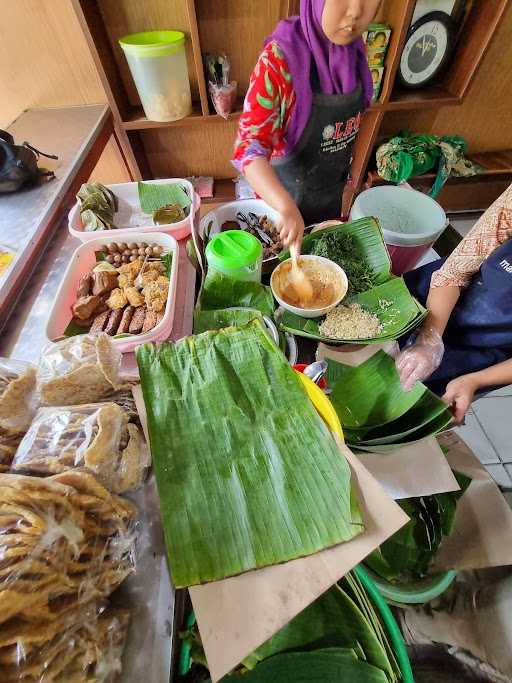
(18, 164)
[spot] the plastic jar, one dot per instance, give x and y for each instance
(237, 254)
(158, 65)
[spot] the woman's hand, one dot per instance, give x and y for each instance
(418, 361)
(459, 395)
(291, 226)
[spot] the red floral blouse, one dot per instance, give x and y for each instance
(268, 106)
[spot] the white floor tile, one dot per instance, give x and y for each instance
(430, 256)
(500, 475)
(474, 436)
(495, 416)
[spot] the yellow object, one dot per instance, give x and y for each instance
(5, 260)
(322, 404)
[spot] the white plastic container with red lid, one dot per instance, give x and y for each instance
(129, 216)
(84, 260)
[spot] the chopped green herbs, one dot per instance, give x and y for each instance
(340, 248)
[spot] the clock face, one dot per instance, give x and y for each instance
(424, 52)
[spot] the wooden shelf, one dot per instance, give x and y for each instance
(435, 96)
(136, 120)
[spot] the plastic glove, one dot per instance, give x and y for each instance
(459, 395)
(421, 359)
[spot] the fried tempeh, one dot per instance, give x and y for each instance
(138, 320)
(126, 319)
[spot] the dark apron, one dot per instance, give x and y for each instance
(316, 171)
(479, 332)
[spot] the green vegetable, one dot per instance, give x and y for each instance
(340, 248)
(167, 261)
(238, 448)
(409, 553)
(153, 196)
(97, 206)
(221, 291)
(216, 320)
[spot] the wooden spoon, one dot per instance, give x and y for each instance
(299, 280)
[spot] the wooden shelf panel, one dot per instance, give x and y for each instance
(136, 120)
(434, 96)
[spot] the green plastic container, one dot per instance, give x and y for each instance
(158, 65)
(237, 254)
(416, 593)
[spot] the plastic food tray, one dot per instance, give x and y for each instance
(83, 260)
(129, 216)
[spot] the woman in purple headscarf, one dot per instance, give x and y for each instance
(303, 109)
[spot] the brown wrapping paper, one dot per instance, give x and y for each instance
(483, 522)
(417, 470)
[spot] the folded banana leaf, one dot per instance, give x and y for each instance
(247, 472)
(420, 415)
(392, 303)
(224, 317)
(98, 205)
(366, 235)
(369, 395)
(409, 553)
(220, 291)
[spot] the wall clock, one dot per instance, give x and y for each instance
(428, 46)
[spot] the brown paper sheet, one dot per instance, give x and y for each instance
(483, 521)
(354, 354)
(420, 469)
(238, 614)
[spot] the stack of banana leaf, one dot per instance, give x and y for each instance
(408, 554)
(237, 448)
(339, 637)
(376, 413)
(379, 292)
(220, 291)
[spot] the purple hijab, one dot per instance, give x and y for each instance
(341, 68)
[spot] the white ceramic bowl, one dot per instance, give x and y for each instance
(312, 312)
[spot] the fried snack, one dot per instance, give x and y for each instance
(77, 370)
(134, 297)
(84, 647)
(96, 436)
(17, 397)
(117, 299)
(137, 320)
(156, 293)
(65, 541)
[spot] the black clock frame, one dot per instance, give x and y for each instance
(449, 25)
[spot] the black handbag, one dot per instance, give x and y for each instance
(18, 164)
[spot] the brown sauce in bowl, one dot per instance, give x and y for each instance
(324, 282)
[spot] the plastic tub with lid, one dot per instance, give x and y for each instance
(237, 254)
(158, 65)
(410, 220)
(83, 261)
(130, 217)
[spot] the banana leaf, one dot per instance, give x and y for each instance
(397, 319)
(320, 666)
(368, 241)
(369, 395)
(247, 472)
(409, 553)
(220, 291)
(428, 407)
(224, 317)
(153, 196)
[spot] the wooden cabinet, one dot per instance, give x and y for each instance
(201, 144)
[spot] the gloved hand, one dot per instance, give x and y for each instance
(419, 360)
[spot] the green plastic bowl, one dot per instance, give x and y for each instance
(414, 593)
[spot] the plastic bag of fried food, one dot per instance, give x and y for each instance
(97, 436)
(84, 645)
(65, 541)
(76, 370)
(18, 403)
